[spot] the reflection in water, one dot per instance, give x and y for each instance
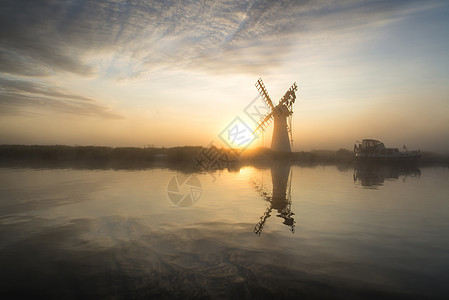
(114, 234)
(370, 175)
(280, 198)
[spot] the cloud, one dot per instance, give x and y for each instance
(38, 38)
(25, 97)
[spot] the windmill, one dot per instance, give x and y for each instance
(282, 132)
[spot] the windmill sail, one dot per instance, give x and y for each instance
(264, 122)
(263, 92)
(289, 96)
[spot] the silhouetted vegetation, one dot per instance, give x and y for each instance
(429, 158)
(178, 157)
(97, 156)
(58, 155)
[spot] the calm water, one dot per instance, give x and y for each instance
(283, 232)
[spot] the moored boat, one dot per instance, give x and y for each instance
(374, 150)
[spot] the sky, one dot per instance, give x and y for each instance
(176, 73)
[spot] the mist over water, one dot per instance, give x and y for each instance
(278, 231)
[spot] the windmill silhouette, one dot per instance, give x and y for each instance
(279, 199)
(282, 132)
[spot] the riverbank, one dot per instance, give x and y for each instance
(135, 158)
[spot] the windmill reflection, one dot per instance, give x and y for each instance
(279, 199)
(373, 176)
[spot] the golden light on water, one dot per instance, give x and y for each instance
(247, 172)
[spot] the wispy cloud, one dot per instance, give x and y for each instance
(125, 39)
(40, 37)
(19, 96)
(340, 48)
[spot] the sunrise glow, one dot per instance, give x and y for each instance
(175, 74)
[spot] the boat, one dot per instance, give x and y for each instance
(374, 150)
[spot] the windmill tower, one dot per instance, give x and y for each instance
(282, 132)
